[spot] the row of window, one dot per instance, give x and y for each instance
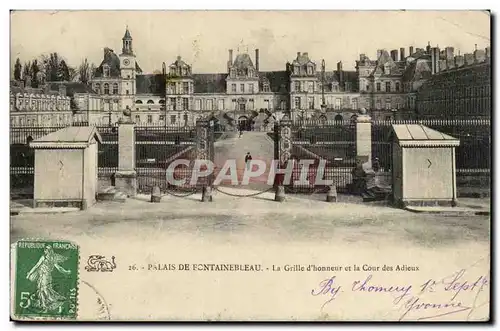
(312, 87)
(308, 69)
(179, 88)
(42, 104)
(45, 120)
(173, 119)
(151, 102)
(462, 91)
(107, 88)
(388, 87)
(330, 102)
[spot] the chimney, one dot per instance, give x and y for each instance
(487, 53)
(434, 60)
(394, 54)
(442, 65)
(298, 55)
(379, 53)
(402, 54)
(230, 57)
(469, 58)
(305, 54)
(479, 56)
(459, 61)
(362, 57)
(62, 90)
(449, 53)
(428, 48)
(257, 59)
(341, 73)
(411, 50)
(27, 82)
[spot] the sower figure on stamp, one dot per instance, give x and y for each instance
(41, 274)
(248, 158)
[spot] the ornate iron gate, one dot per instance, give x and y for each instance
(333, 143)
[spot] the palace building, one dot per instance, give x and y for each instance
(386, 87)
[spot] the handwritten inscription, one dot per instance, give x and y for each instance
(412, 300)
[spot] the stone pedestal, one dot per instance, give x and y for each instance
(126, 177)
(364, 137)
(156, 195)
(206, 195)
(126, 182)
(280, 193)
(331, 196)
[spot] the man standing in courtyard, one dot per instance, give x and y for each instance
(248, 158)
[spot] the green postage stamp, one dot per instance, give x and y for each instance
(46, 279)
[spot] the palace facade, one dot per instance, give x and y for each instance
(386, 87)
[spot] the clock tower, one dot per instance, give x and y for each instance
(127, 71)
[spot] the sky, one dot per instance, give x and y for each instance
(202, 38)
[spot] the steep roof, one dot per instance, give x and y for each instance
(209, 83)
(243, 61)
(111, 59)
(150, 84)
(278, 80)
(127, 34)
(418, 70)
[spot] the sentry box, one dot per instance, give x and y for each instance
(66, 168)
(424, 171)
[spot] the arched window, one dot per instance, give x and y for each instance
(397, 87)
(161, 102)
(338, 118)
(115, 88)
(139, 102)
(98, 88)
(106, 88)
(150, 102)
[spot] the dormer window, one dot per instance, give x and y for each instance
(250, 72)
(387, 68)
(184, 71)
(335, 87)
(266, 87)
(105, 70)
(172, 70)
(309, 70)
(232, 73)
(296, 70)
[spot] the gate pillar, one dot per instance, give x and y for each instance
(126, 176)
(364, 137)
(282, 153)
(205, 151)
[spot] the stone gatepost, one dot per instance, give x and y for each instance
(364, 137)
(126, 176)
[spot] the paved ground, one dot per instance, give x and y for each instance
(302, 230)
(235, 148)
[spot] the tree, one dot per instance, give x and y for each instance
(17, 70)
(27, 70)
(51, 66)
(84, 72)
(63, 72)
(34, 71)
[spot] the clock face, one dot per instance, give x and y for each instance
(126, 62)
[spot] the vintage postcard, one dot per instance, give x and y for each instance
(250, 166)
